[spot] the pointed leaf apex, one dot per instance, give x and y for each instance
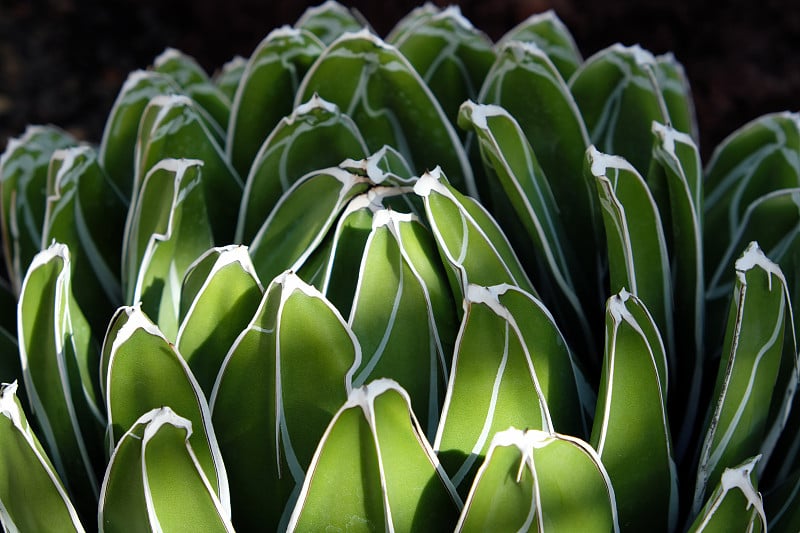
(55, 250)
(618, 309)
(157, 418)
(600, 162)
(639, 54)
(391, 219)
(315, 102)
(137, 320)
(168, 54)
(430, 181)
(667, 135)
(9, 407)
(364, 396)
(739, 478)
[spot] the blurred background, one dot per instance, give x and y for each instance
(63, 61)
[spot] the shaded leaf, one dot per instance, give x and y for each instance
(735, 504)
(328, 21)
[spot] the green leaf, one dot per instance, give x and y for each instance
(32, 497)
(168, 230)
(751, 358)
(755, 160)
(329, 20)
(511, 367)
(79, 195)
(781, 505)
(387, 476)
(227, 78)
(551, 35)
(301, 219)
(196, 84)
(414, 17)
(735, 504)
(510, 161)
(525, 83)
(375, 85)
(292, 368)
(315, 136)
(470, 242)
(59, 362)
(618, 95)
(145, 372)
(23, 188)
(677, 95)
(155, 482)
(117, 150)
(534, 480)
(451, 56)
(637, 249)
(676, 161)
(631, 431)
(403, 313)
(267, 90)
(172, 127)
(220, 294)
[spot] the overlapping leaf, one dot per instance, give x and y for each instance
(227, 78)
(172, 127)
(168, 229)
(316, 135)
(328, 21)
(23, 185)
(292, 368)
(388, 477)
(154, 481)
(59, 362)
(740, 416)
(451, 56)
(219, 296)
(403, 313)
(735, 504)
(374, 84)
(538, 481)
(637, 250)
(301, 219)
(631, 432)
(551, 35)
(511, 367)
(266, 91)
(471, 244)
(32, 497)
(79, 193)
(144, 371)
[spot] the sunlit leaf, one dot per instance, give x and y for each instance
(328, 21)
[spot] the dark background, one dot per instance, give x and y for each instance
(63, 61)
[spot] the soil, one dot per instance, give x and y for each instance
(63, 61)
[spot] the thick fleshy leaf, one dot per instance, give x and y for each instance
(266, 91)
(735, 504)
(154, 481)
(315, 136)
(757, 159)
(407, 24)
(227, 78)
(471, 243)
(387, 476)
(292, 368)
(618, 95)
(168, 230)
(525, 83)
(145, 372)
(403, 313)
(59, 363)
(676, 167)
(510, 161)
(677, 95)
(117, 150)
(637, 249)
(79, 195)
(378, 88)
(510, 364)
(451, 56)
(195, 83)
(631, 431)
(23, 186)
(745, 384)
(551, 35)
(172, 128)
(301, 219)
(220, 294)
(32, 497)
(328, 21)
(538, 481)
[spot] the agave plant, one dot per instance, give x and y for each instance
(425, 283)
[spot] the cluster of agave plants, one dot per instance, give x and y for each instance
(425, 283)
